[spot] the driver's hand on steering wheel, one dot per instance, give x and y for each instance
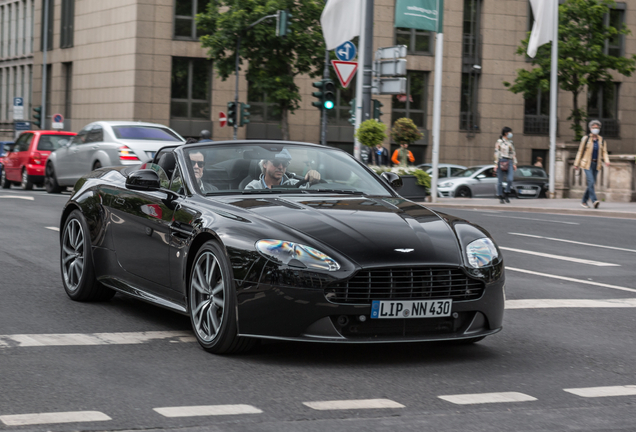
(312, 176)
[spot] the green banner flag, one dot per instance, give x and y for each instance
(420, 14)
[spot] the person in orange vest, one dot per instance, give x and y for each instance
(402, 156)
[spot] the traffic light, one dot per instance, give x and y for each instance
(329, 95)
(37, 115)
(282, 23)
(245, 114)
(376, 109)
(352, 111)
(318, 94)
(231, 113)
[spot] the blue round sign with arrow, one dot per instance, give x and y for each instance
(346, 52)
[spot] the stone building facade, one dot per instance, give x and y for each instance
(141, 60)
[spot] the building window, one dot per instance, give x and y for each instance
(67, 70)
(262, 108)
(536, 120)
(68, 20)
(471, 43)
(190, 93)
(602, 104)
(185, 26)
(615, 46)
(468, 117)
(412, 104)
(49, 40)
(419, 42)
(339, 115)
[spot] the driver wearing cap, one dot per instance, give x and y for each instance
(274, 173)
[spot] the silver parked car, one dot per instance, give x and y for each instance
(102, 144)
(476, 181)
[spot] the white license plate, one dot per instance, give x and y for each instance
(411, 308)
(527, 191)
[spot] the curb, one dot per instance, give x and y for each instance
(560, 211)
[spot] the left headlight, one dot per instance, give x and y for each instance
(290, 253)
(445, 184)
(481, 252)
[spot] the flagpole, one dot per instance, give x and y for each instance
(554, 89)
(360, 78)
(437, 105)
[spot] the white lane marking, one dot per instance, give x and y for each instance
(28, 198)
(53, 228)
(533, 219)
(571, 279)
(50, 418)
(481, 398)
(75, 339)
(574, 242)
(353, 404)
(570, 303)
(628, 390)
(207, 410)
(561, 257)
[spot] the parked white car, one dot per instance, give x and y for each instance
(102, 144)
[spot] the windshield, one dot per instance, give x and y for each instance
(252, 168)
(146, 133)
(467, 172)
(53, 142)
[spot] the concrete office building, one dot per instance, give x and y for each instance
(141, 60)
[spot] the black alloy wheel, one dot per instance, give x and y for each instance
(212, 302)
(76, 262)
(4, 183)
(50, 181)
(26, 184)
(463, 192)
(97, 165)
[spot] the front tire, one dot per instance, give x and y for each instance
(4, 183)
(50, 181)
(76, 262)
(26, 184)
(463, 192)
(212, 302)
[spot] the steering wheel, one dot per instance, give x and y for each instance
(305, 181)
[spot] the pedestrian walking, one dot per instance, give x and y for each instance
(539, 162)
(590, 157)
(505, 163)
(403, 155)
(380, 156)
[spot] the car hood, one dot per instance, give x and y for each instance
(369, 231)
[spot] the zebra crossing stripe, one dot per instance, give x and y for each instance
(51, 418)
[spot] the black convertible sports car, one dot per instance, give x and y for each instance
(328, 253)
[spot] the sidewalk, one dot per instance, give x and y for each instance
(554, 206)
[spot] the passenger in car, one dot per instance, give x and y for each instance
(198, 164)
(274, 173)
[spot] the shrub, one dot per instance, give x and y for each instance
(371, 132)
(405, 132)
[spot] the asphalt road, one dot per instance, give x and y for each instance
(568, 330)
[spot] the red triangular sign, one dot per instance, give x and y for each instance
(345, 70)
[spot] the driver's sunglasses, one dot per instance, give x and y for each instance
(277, 162)
(197, 163)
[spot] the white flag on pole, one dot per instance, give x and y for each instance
(543, 27)
(341, 21)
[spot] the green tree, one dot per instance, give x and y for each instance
(583, 60)
(405, 132)
(371, 132)
(273, 62)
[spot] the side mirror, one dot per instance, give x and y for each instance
(143, 180)
(392, 179)
(481, 176)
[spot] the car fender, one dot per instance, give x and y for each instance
(103, 158)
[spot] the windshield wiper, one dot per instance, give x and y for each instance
(340, 191)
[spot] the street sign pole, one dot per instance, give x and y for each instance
(367, 65)
(45, 43)
(359, 81)
(437, 107)
(323, 112)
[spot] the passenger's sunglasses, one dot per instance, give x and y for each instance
(197, 163)
(277, 162)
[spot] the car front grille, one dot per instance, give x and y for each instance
(405, 283)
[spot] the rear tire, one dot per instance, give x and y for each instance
(50, 181)
(463, 192)
(76, 262)
(26, 183)
(212, 302)
(4, 183)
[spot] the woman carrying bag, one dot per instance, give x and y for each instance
(505, 163)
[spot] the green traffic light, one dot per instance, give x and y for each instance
(328, 105)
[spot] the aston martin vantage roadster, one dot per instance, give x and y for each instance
(279, 240)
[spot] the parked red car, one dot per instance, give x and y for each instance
(24, 165)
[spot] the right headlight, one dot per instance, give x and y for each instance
(289, 253)
(481, 252)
